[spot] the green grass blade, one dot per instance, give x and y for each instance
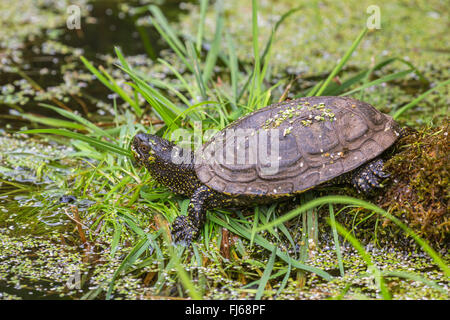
(234, 72)
(405, 62)
(87, 124)
(259, 240)
(414, 277)
(385, 63)
(285, 279)
(129, 260)
(255, 223)
(342, 62)
(366, 257)
(121, 58)
(168, 30)
(92, 141)
(304, 242)
(109, 82)
(162, 26)
(127, 98)
(175, 253)
(286, 233)
(116, 237)
(336, 241)
(190, 110)
(266, 274)
(157, 99)
(97, 73)
(266, 49)
(185, 279)
(201, 24)
(255, 32)
(390, 77)
(196, 69)
(139, 79)
(145, 38)
(255, 88)
(315, 89)
(211, 57)
(130, 222)
(335, 89)
(410, 105)
(183, 81)
(54, 122)
(167, 110)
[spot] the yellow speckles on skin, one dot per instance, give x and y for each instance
(304, 190)
(135, 153)
(280, 195)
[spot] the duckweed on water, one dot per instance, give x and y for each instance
(24, 159)
(41, 267)
(361, 285)
(45, 268)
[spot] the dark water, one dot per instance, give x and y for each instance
(104, 28)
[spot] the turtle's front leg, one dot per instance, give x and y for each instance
(369, 176)
(186, 228)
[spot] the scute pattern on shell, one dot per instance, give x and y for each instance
(321, 138)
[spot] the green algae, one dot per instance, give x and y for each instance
(318, 113)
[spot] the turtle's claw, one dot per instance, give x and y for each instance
(183, 231)
(368, 178)
(376, 168)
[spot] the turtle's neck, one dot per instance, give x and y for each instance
(178, 177)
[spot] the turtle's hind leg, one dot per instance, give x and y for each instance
(368, 177)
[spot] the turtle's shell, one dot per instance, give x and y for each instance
(319, 138)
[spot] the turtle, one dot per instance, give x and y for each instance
(273, 153)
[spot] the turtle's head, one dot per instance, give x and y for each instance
(161, 158)
(148, 148)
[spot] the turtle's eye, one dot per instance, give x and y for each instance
(144, 148)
